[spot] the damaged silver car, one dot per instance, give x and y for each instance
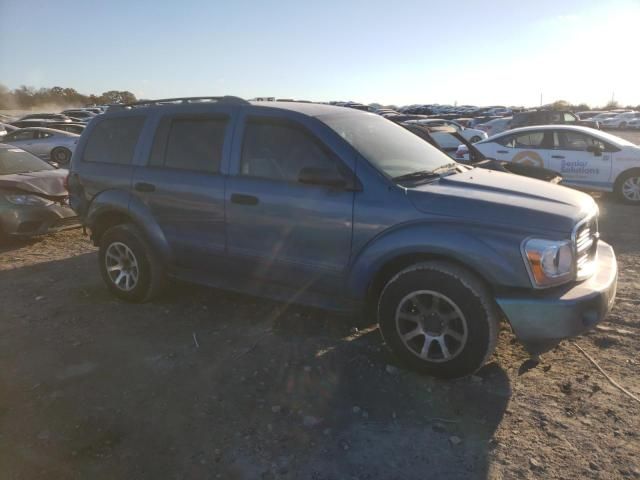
(33, 196)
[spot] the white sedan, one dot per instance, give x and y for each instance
(586, 158)
(472, 134)
(46, 143)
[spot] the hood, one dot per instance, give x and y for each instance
(488, 196)
(48, 183)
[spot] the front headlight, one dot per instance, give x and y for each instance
(549, 262)
(22, 199)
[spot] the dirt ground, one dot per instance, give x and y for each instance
(208, 384)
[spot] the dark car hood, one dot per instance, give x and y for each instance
(502, 198)
(49, 183)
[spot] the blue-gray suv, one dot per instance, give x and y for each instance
(340, 209)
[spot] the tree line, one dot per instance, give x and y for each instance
(25, 97)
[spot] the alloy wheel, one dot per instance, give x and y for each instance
(122, 266)
(431, 326)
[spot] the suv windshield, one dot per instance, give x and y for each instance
(389, 147)
(14, 160)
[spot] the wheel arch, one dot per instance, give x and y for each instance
(115, 207)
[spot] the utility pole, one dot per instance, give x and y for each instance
(540, 98)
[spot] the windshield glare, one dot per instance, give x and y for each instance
(14, 160)
(389, 147)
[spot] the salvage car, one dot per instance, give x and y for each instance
(33, 198)
(589, 159)
(472, 134)
(442, 137)
(340, 209)
(549, 117)
(47, 143)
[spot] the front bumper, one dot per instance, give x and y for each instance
(540, 320)
(31, 220)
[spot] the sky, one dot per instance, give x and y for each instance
(388, 51)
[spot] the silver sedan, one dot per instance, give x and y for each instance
(46, 143)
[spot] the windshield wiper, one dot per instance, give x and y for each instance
(426, 174)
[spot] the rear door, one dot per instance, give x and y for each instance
(183, 187)
(572, 159)
(282, 232)
(528, 148)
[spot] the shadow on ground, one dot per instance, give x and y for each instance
(206, 383)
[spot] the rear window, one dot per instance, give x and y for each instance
(114, 140)
(189, 143)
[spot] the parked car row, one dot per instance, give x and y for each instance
(50, 136)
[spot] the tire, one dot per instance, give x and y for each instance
(464, 307)
(622, 125)
(475, 139)
(627, 187)
(142, 273)
(61, 155)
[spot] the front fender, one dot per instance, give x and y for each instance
(122, 202)
(493, 253)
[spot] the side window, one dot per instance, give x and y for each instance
(114, 140)
(568, 140)
(529, 140)
(279, 151)
(43, 135)
(507, 141)
(189, 143)
(28, 135)
(569, 118)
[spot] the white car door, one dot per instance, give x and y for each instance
(527, 148)
(581, 159)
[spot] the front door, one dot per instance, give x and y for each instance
(574, 157)
(282, 232)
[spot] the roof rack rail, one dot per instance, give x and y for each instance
(227, 99)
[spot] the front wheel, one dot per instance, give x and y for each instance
(475, 139)
(128, 264)
(438, 319)
(622, 125)
(627, 187)
(61, 155)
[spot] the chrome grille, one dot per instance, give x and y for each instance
(585, 241)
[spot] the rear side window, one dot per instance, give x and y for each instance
(114, 140)
(189, 144)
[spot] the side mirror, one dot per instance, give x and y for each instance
(321, 176)
(596, 149)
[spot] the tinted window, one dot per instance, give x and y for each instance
(189, 144)
(114, 140)
(279, 151)
(28, 135)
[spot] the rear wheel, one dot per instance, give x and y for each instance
(622, 125)
(128, 264)
(439, 319)
(61, 155)
(475, 139)
(627, 187)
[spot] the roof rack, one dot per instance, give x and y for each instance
(227, 100)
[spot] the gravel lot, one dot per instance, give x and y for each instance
(208, 384)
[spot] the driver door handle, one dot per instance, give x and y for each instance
(502, 151)
(145, 187)
(244, 199)
(557, 156)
